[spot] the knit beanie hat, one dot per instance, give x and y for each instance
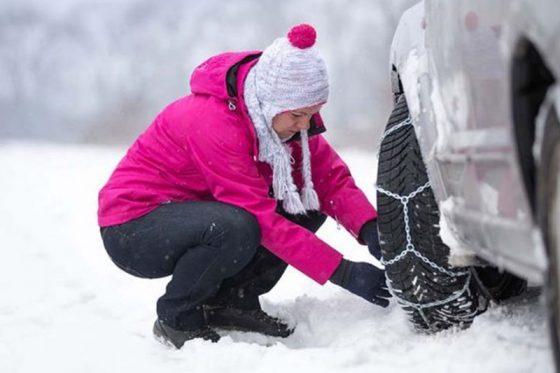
(289, 75)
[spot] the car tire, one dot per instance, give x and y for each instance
(434, 295)
(548, 210)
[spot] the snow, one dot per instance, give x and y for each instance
(408, 55)
(66, 308)
(459, 255)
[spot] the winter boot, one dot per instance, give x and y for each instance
(176, 338)
(246, 321)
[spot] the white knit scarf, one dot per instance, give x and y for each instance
(277, 154)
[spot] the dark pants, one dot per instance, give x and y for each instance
(212, 250)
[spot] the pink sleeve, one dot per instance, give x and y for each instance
(339, 196)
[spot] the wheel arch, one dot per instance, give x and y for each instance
(530, 79)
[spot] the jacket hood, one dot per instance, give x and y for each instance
(223, 75)
(211, 76)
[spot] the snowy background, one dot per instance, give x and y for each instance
(79, 79)
(98, 71)
(66, 308)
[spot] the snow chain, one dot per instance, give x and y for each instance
(410, 249)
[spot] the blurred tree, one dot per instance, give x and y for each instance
(99, 71)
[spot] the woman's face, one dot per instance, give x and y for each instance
(289, 123)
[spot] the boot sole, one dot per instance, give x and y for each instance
(165, 342)
(245, 330)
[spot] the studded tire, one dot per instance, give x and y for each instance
(434, 295)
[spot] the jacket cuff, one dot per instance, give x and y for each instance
(366, 230)
(339, 277)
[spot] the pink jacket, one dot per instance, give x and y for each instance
(199, 149)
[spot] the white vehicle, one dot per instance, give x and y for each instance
(468, 191)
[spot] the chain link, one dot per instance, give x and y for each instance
(451, 298)
(410, 248)
(406, 122)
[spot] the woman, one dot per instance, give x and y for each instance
(209, 194)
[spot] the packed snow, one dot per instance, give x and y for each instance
(66, 308)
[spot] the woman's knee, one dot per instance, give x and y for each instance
(235, 226)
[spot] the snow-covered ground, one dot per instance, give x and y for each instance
(64, 307)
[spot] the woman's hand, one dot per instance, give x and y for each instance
(364, 280)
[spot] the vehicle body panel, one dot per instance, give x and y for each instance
(453, 60)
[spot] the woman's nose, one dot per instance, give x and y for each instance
(303, 124)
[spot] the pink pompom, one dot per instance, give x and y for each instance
(302, 36)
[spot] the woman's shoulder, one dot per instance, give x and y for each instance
(207, 118)
(199, 108)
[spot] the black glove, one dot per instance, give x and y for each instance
(369, 235)
(364, 280)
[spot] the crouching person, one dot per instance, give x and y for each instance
(228, 186)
